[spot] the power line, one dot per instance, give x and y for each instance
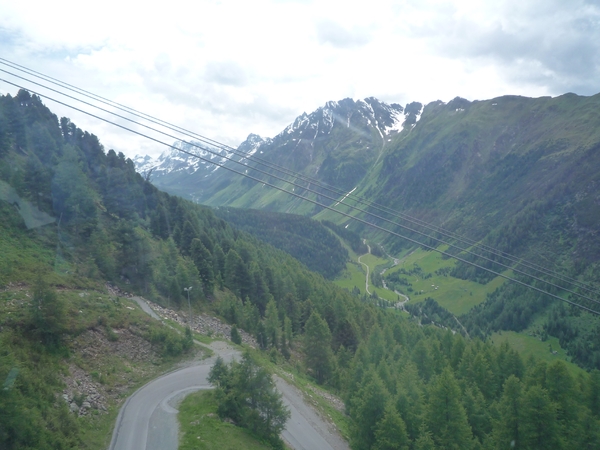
(297, 176)
(333, 199)
(372, 225)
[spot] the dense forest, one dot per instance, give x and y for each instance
(305, 239)
(406, 385)
(515, 174)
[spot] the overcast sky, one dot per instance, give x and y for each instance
(229, 68)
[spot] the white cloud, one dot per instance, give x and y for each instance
(229, 68)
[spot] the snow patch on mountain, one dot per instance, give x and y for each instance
(195, 156)
(204, 158)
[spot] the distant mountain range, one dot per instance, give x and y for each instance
(511, 170)
(337, 144)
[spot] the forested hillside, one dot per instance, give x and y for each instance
(85, 216)
(518, 175)
(305, 239)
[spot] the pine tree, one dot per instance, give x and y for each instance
(232, 261)
(203, 261)
(563, 393)
(188, 233)
(317, 348)
(446, 416)
(272, 325)
(247, 395)
(422, 359)
(237, 277)
(236, 338)
(477, 411)
(507, 428)
(593, 392)
(218, 261)
(390, 431)
(409, 400)
(424, 441)
(539, 427)
(367, 409)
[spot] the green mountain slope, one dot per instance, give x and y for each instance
(303, 238)
(514, 173)
(75, 216)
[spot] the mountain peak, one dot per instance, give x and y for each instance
(363, 125)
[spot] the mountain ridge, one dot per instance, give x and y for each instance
(518, 174)
(362, 118)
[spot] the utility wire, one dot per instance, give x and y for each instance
(333, 199)
(337, 191)
(372, 225)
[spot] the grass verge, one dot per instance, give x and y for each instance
(202, 429)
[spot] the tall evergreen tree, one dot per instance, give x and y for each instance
(317, 348)
(188, 233)
(539, 427)
(563, 393)
(592, 392)
(446, 416)
(367, 410)
(203, 261)
(507, 428)
(425, 440)
(390, 431)
(272, 325)
(409, 399)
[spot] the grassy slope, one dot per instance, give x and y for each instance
(202, 429)
(528, 345)
(91, 315)
(456, 295)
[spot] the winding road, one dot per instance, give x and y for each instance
(148, 419)
(399, 305)
(366, 266)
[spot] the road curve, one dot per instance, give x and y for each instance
(148, 419)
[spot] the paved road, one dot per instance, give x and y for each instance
(148, 419)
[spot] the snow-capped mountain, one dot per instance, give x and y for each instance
(370, 112)
(194, 157)
(337, 142)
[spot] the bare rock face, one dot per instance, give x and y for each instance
(89, 388)
(203, 324)
(82, 393)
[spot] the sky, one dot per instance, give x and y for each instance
(226, 69)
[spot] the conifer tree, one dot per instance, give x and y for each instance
(422, 359)
(188, 233)
(446, 416)
(563, 393)
(232, 262)
(539, 427)
(236, 338)
(390, 431)
(507, 429)
(477, 411)
(424, 441)
(593, 392)
(272, 325)
(203, 261)
(409, 400)
(317, 347)
(218, 261)
(367, 410)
